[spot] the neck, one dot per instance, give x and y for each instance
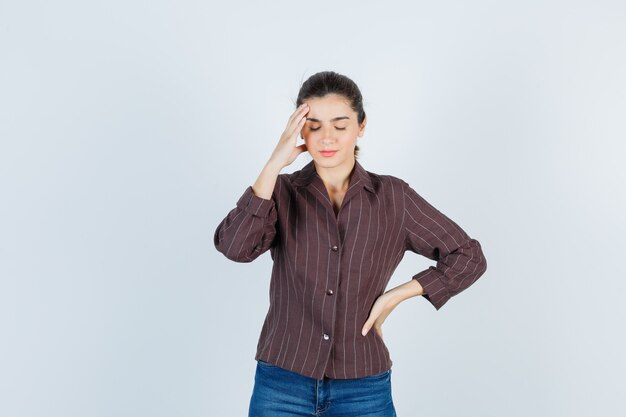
(337, 178)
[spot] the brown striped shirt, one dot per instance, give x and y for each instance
(329, 269)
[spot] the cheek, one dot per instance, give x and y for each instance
(307, 140)
(349, 134)
(307, 135)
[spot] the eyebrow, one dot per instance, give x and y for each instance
(332, 120)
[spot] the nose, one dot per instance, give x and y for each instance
(328, 136)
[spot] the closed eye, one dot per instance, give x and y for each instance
(338, 128)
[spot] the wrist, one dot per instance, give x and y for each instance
(273, 167)
(407, 290)
(264, 185)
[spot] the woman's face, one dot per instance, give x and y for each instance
(331, 126)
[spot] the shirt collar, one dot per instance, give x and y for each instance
(359, 176)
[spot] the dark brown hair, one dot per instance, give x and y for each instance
(330, 82)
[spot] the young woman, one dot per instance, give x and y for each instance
(336, 233)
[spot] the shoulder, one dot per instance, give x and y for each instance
(288, 183)
(291, 179)
(299, 177)
(391, 187)
(387, 183)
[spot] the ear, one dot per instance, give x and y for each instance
(362, 127)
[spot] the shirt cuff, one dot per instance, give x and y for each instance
(434, 290)
(254, 204)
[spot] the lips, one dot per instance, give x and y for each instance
(328, 153)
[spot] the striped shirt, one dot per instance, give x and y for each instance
(328, 269)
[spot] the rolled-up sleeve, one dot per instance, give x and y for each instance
(428, 232)
(249, 229)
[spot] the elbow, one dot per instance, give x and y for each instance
(225, 246)
(240, 247)
(481, 262)
(229, 252)
(473, 268)
(235, 256)
(240, 254)
(239, 258)
(483, 266)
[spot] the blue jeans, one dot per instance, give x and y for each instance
(279, 392)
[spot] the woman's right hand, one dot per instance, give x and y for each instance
(284, 154)
(286, 150)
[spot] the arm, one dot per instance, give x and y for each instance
(386, 303)
(249, 229)
(460, 260)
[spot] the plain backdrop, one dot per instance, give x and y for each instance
(130, 128)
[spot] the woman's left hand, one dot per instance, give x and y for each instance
(383, 306)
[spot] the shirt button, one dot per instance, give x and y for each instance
(329, 292)
(326, 337)
(335, 248)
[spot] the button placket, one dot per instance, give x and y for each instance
(329, 291)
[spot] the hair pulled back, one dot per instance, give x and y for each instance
(330, 82)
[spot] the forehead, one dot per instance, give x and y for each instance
(328, 107)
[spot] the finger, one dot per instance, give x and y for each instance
(366, 327)
(300, 110)
(295, 130)
(297, 151)
(302, 113)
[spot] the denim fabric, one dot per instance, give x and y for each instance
(279, 392)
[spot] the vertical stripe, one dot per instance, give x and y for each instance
(312, 319)
(301, 228)
(306, 269)
(356, 332)
(278, 289)
(318, 336)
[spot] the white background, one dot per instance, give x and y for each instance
(130, 128)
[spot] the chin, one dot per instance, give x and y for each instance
(324, 161)
(329, 162)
